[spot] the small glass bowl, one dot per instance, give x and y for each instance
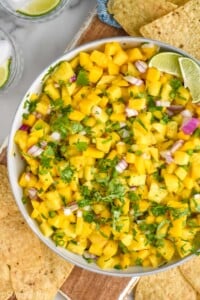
(16, 64)
(40, 18)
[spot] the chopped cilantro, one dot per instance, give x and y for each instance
(30, 105)
(81, 146)
(67, 174)
(24, 199)
(159, 210)
(175, 83)
(165, 119)
(141, 123)
(76, 127)
(52, 214)
(88, 216)
(82, 78)
(133, 196)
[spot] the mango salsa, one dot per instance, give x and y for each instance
(112, 167)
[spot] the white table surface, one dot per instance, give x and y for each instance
(41, 44)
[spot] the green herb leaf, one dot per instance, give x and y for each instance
(82, 78)
(67, 174)
(81, 146)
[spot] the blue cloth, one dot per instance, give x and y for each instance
(103, 14)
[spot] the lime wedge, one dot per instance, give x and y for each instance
(37, 7)
(166, 62)
(191, 77)
(4, 72)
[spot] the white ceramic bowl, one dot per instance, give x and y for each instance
(15, 164)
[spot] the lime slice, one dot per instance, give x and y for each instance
(191, 77)
(166, 62)
(4, 72)
(38, 8)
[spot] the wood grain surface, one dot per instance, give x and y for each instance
(82, 284)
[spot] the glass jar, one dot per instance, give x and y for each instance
(40, 17)
(11, 61)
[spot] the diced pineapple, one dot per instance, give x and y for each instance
(166, 249)
(99, 58)
(172, 183)
(134, 54)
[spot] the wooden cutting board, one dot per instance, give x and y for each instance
(82, 284)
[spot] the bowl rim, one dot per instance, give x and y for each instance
(68, 55)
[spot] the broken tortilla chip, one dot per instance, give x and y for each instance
(165, 285)
(179, 28)
(35, 271)
(191, 271)
(132, 14)
(6, 289)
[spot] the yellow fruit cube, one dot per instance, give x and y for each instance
(76, 115)
(153, 74)
(120, 58)
(181, 158)
(134, 54)
(95, 74)
(99, 58)
(172, 183)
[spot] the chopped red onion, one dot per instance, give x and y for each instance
(89, 255)
(37, 115)
(141, 66)
(147, 45)
(87, 208)
(24, 127)
(178, 144)
(96, 110)
(79, 213)
(70, 208)
(67, 211)
(122, 124)
(43, 144)
(146, 156)
(170, 113)
(35, 151)
(175, 108)
(190, 125)
(83, 132)
(56, 136)
(186, 113)
(72, 79)
(167, 156)
(163, 103)
(133, 80)
(32, 192)
(125, 133)
(48, 110)
(133, 188)
(27, 176)
(121, 166)
(131, 112)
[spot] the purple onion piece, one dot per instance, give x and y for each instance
(190, 125)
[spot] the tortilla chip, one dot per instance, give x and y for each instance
(18, 244)
(165, 285)
(191, 271)
(179, 2)
(41, 283)
(132, 14)
(36, 272)
(179, 28)
(7, 204)
(6, 289)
